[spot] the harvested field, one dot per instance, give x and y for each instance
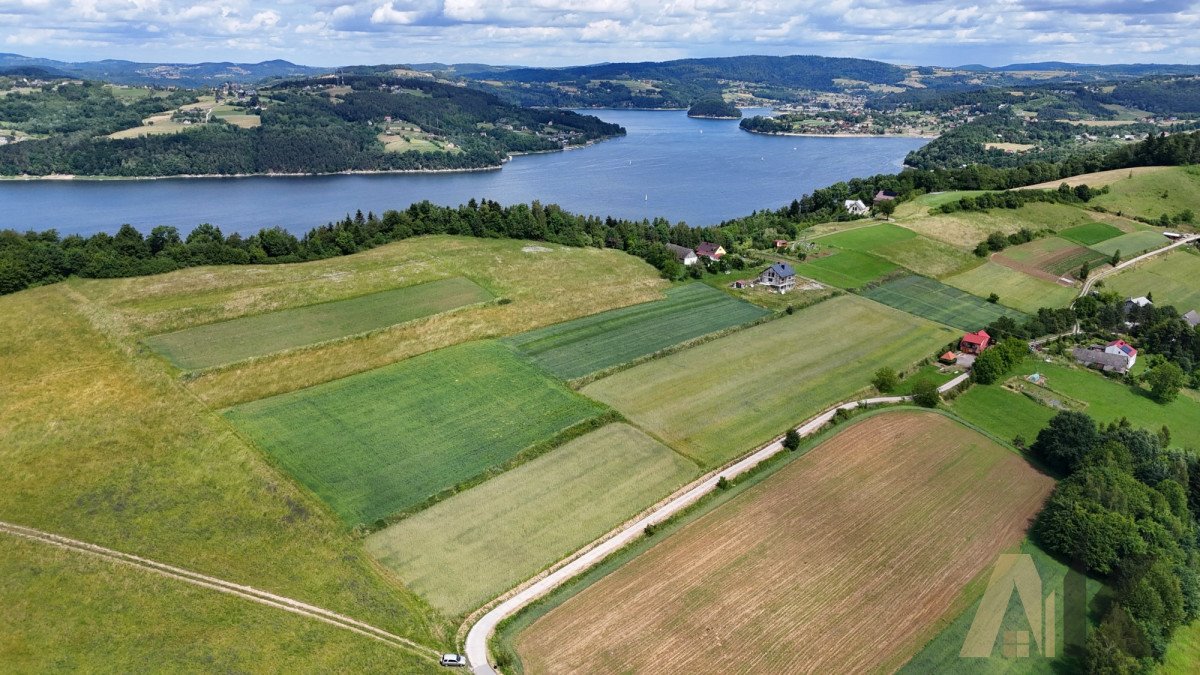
(380, 442)
(247, 337)
(842, 561)
(1172, 277)
(1016, 289)
(583, 346)
(525, 519)
(722, 398)
(936, 301)
(1092, 233)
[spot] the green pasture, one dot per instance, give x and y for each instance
(374, 444)
(576, 348)
(902, 247)
(1091, 233)
(1016, 289)
(527, 518)
(229, 341)
(725, 397)
(1173, 278)
(936, 301)
(1152, 194)
(868, 239)
(1002, 412)
(846, 269)
(1130, 245)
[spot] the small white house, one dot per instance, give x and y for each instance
(1123, 349)
(856, 207)
(686, 256)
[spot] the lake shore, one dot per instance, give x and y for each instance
(839, 135)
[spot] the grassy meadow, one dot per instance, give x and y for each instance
(1002, 412)
(387, 440)
(576, 348)
(1132, 244)
(1092, 233)
(874, 532)
(546, 284)
(846, 269)
(722, 398)
(1150, 194)
(101, 444)
(965, 229)
(936, 301)
(529, 517)
(250, 336)
(903, 247)
(1172, 278)
(1016, 289)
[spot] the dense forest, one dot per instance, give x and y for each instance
(715, 107)
(1163, 96)
(36, 258)
(304, 129)
(78, 110)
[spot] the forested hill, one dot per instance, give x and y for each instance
(366, 123)
(176, 74)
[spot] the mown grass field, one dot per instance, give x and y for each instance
(576, 348)
(381, 442)
(723, 398)
(1132, 244)
(902, 247)
(875, 532)
(936, 301)
(1172, 277)
(547, 284)
(1152, 193)
(101, 444)
(1183, 653)
(525, 519)
(70, 612)
(846, 269)
(1092, 233)
(1004, 413)
(1016, 289)
(238, 339)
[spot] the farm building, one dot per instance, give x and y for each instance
(779, 277)
(1134, 303)
(709, 250)
(949, 358)
(781, 243)
(1193, 318)
(856, 207)
(683, 254)
(884, 196)
(1096, 356)
(975, 343)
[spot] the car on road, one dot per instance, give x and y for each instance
(453, 660)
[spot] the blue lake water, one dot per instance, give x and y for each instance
(698, 171)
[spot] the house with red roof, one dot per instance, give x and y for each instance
(709, 250)
(1122, 349)
(975, 343)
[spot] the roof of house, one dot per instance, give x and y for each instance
(978, 338)
(707, 248)
(948, 356)
(1139, 301)
(885, 194)
(1193, 318)
(1097, 356)
(1124, 346)
(680, 252)
(783, 269)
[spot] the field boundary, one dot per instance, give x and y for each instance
(482, 624)
(220, 585)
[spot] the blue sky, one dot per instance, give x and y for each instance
(563, 32)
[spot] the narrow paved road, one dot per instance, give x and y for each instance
(246, 592)
(485, 626)
(1087, 285)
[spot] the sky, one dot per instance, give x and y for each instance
(570, 32)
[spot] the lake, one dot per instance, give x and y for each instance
(698, 171)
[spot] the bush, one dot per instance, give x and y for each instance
(925, 393)
(886, 380)
(723, 483)
(791, 440)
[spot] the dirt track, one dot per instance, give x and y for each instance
(219, 585)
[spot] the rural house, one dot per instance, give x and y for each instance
(709, 250)
(883, 196)
(1192, 318)
(683, 254)
(856, 207)
(780, 277)
(975, 343)
(1095, 356)
(1123, 349)
(781, 243)
(1134, 303)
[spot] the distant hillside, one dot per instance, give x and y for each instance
(179, 74)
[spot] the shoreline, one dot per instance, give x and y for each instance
(815, 135)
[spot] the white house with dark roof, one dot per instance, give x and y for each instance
(683, 254)
(1193, 318)
(779, 277)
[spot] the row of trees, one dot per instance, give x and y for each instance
(1125, 512)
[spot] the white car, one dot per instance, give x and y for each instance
(453, 660)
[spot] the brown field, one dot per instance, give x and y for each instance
(1098, 179)
(843, 561)
(1010, 147)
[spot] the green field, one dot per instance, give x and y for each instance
(936, 301)
(229, 341)
(1152, 194)
(1132, 244)
(1004, 413)
(722, 398)
(1016, 289)
(375, 444)
(1092, 233)
(1183, 653)
(1072, 263)
(525, 519)
(583, 346)
(941, 654)
(1172, 277)
(1109, 401)
(846, 269)
(1037, 251)
(902, 247)
(869, 239)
